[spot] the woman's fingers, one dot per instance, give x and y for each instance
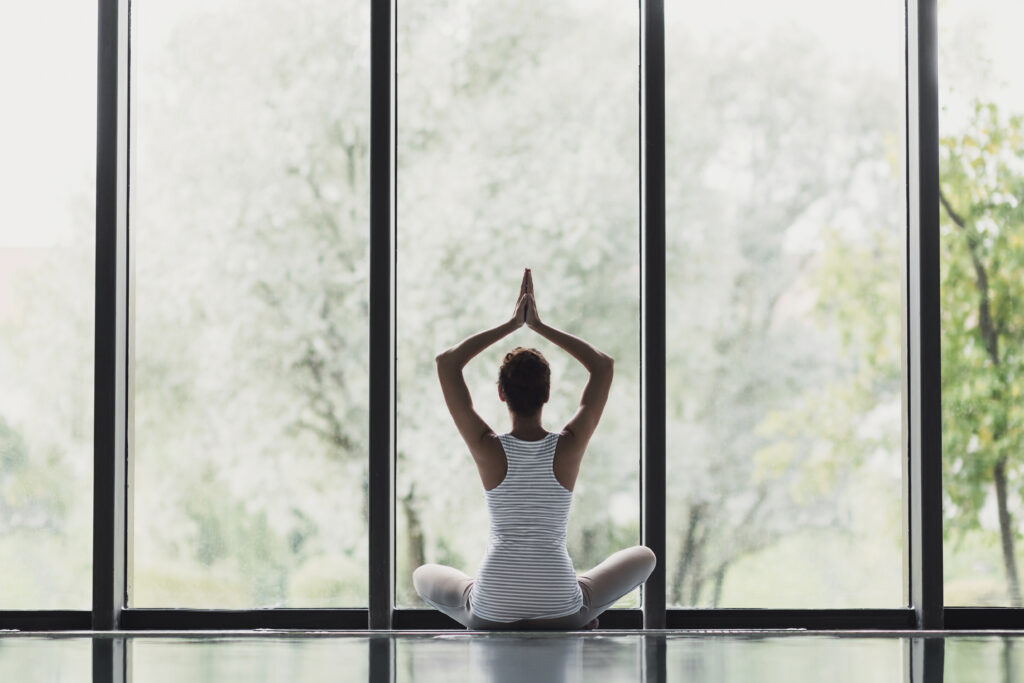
(523, 284)
(532, 316)
(529, 281)
(520, 312)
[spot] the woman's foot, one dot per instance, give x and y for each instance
(590, 625)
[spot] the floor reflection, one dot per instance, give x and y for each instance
(45, 659)
(999, 660)
(508, 657)
(787, 659)
(251, 659)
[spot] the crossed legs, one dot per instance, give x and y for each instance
(447, 589)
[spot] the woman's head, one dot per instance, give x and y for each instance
(524, 380)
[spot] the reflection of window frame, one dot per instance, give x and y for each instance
(114, 364)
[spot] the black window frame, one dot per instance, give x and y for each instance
(114, 356)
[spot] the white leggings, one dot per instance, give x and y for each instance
(447, 589)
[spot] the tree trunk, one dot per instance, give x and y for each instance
(1006, 533)
(588, 538)
(685, 555)
(990, 337)
(716, 598)
(414, 538)
(1009, 670)
(697, 571)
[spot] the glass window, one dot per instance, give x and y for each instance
(981, 165)
(517, 147)
(47, 247)
(785, 215)
(249, 232)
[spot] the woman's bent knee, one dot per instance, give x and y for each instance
(439, 584)
(421, 579)
(641, 561)
(642, 557)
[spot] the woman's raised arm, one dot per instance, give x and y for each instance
(450, 363)
(600, 366)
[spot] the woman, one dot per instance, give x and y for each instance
(527, 580)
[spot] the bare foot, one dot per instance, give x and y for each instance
(590, 625)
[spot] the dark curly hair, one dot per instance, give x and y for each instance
(525, 380)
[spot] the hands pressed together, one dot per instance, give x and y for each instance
(526, 308)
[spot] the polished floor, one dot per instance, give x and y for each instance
(768, 657)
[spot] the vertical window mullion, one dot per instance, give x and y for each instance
(652, 198)
(923, 367)
(381, 333)
(109, 431)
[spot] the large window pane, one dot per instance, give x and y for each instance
(249, 227)
(517, 146)
(785, 201)
(47, 246)
(981, 156)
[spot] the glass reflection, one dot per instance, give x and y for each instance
(336, 659)
(558, 658)
(44, 659)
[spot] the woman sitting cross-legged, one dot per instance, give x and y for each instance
(527, 580)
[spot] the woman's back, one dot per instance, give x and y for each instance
(527, 572)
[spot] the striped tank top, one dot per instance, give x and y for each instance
(526, 572)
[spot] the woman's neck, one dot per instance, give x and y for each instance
(527, 428)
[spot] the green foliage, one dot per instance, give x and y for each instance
(982, 261)
(13, 453)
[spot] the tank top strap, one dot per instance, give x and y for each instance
(528, 461)
(519, 450)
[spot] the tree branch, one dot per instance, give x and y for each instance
(989, 334)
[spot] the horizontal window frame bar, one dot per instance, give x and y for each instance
(433, 620)
(185, 619)
(957, 619)
(45, 620)
(983, 618)
(899, 619)
(356, 619)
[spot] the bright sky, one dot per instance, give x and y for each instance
(48, 77)
(48, 72)
(866, 29)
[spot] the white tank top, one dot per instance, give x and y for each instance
(526, 572)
